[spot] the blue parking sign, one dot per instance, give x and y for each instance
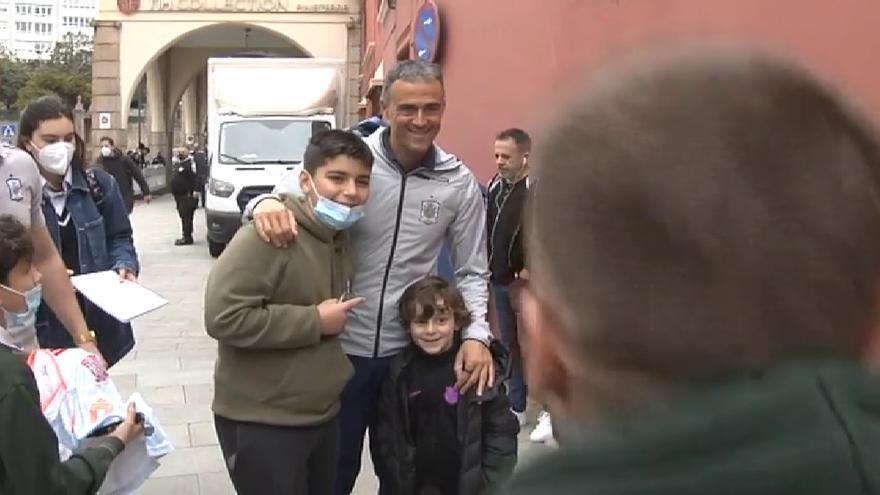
(427, 32)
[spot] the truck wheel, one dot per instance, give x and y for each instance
(215, 248)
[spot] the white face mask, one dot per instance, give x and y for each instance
(106, 151)
(55, 158)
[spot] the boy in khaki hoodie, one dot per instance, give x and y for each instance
(276, 314)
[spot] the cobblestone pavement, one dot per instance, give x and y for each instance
(173, 361)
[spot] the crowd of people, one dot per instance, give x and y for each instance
(682, 272)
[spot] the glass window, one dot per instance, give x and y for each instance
(264, 141)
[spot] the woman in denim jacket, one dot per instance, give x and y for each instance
(86, 217)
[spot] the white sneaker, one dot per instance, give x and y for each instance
(520, 417)
(543, 432)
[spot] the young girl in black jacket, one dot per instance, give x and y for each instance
(432, 440)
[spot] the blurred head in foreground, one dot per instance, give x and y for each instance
(697, 216)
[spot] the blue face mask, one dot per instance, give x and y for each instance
(335, 215)
(19, 322)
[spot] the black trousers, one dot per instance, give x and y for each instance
(267, 460)
(186, 208)
(360, 398)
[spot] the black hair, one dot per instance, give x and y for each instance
(519, 136)
(332, 143)
(15, 245)
(108, 139)
(48, 108)
(419, 302)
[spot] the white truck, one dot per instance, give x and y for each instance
(261, 114)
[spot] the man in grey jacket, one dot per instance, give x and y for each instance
(420, 197)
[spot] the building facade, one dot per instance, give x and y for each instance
(29, 29)
(163, 46)
(509, 62)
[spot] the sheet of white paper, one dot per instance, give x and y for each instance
(122, 300)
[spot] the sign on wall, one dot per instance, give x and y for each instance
(427, 32)
(104, 121)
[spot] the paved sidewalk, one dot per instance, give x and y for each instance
(173, 361)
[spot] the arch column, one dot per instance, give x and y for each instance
(189, 112)
(202, 107)
(158, 135)
(105, 85)
(350, 108)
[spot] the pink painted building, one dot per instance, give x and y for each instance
(508, 62)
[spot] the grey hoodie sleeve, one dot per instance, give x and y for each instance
(467, 237)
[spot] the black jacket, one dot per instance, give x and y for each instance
(504, 221)
(184, 180)
(201, 160)
(807, 428)
(486, 431)
(124, 170)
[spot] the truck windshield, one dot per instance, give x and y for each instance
(254, 142)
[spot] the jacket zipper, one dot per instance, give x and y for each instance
(495, 225)
(510, 248)
(388, 265)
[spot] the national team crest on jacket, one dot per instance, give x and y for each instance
(430, 212)
(15, 189)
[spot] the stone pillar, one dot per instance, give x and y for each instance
(157, 138)
(352, 75)
(106, 99)
(202, 108)
(189, 112)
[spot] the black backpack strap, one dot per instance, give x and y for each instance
(95, 189)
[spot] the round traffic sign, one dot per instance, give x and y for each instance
(427, 31)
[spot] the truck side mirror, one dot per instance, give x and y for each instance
(319, 126)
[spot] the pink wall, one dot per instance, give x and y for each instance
(506, 62)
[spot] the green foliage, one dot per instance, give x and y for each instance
(51, 80)
(67, 73)
(13, 76)
(73, 54)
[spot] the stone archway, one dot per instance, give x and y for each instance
(177, 75)
(169, 41)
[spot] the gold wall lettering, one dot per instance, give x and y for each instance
(243, 6)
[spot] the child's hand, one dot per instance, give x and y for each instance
(130, 428)
(333, 314)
